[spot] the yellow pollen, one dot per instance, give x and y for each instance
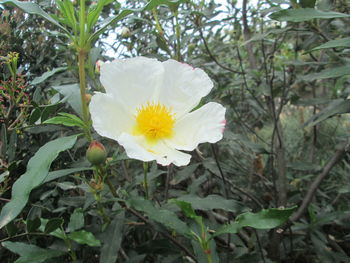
(155, 121)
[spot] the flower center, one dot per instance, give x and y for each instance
(155, 121)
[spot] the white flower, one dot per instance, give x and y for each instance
(147, 109)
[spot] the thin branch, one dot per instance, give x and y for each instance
(213, 57)
(315, 184)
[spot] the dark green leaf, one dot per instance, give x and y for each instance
(335, 108)
(112, 240)
(265, 219)
(165, 217)
(344, 42)
(37, 170)
(85, 238)
(60, 173)
(305, 14)
(212, 202)
(35, 115)
(76, 220)
(46, 75)
(71, 94)
(53, 224)
(33, 225)
(328, 73)
(32, 8)
(31, 253)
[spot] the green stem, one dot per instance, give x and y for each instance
(69, 245)
(82, 86)
(178, 37)
(82, 24)
(145, 180)
(210, 260)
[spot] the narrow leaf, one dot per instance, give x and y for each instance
(112, 240)
(305, 14)
(46, 75)
(344, 42)
(37, 170)
(328, 73)
(165, 217)
(31, 253)
(32, 8)
(338, 107)
(212, 202)
(265, 219)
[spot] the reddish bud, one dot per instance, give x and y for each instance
(96, 153)
(88, 98)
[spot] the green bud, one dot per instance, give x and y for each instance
(96, 153)
(125, 32)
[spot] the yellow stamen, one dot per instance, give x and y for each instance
(155, 121)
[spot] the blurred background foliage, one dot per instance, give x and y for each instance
(283, 78)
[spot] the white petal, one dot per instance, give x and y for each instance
(109, 118)
(203, 125)
(134, 81)
(183, 86)
(137, 147)
(133, 147)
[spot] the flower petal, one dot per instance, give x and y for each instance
(134, 81)
(183, 86)
(109, 117)
(203, 125)
(137, 147)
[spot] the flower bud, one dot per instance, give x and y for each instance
(96, 153)
(125, 32)
(88, 98)
(98, 65)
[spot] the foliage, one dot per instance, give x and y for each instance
(275, 189)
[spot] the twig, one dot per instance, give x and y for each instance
(213, 57)
(316, 183)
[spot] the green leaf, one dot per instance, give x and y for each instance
(60, 173)
(46, 75)
(335, 108)
(265, 219)
(85, 238)
(112, 240)
(212, 202)
(305, 14)
(307, 3)
(31, 253)
(71, 94)
(165, 217)
(37, 170)
(93, 14)
(328, 73)
(344, 42)
(33, 225)
(124, 13)
(67, 9)
(185, 207)
(53, 224)
(76, 220)
(66, 119)
(32, 8)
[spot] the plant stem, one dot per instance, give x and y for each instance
(82, 86)
(210, 260)
(145, 181)
(178, 36)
